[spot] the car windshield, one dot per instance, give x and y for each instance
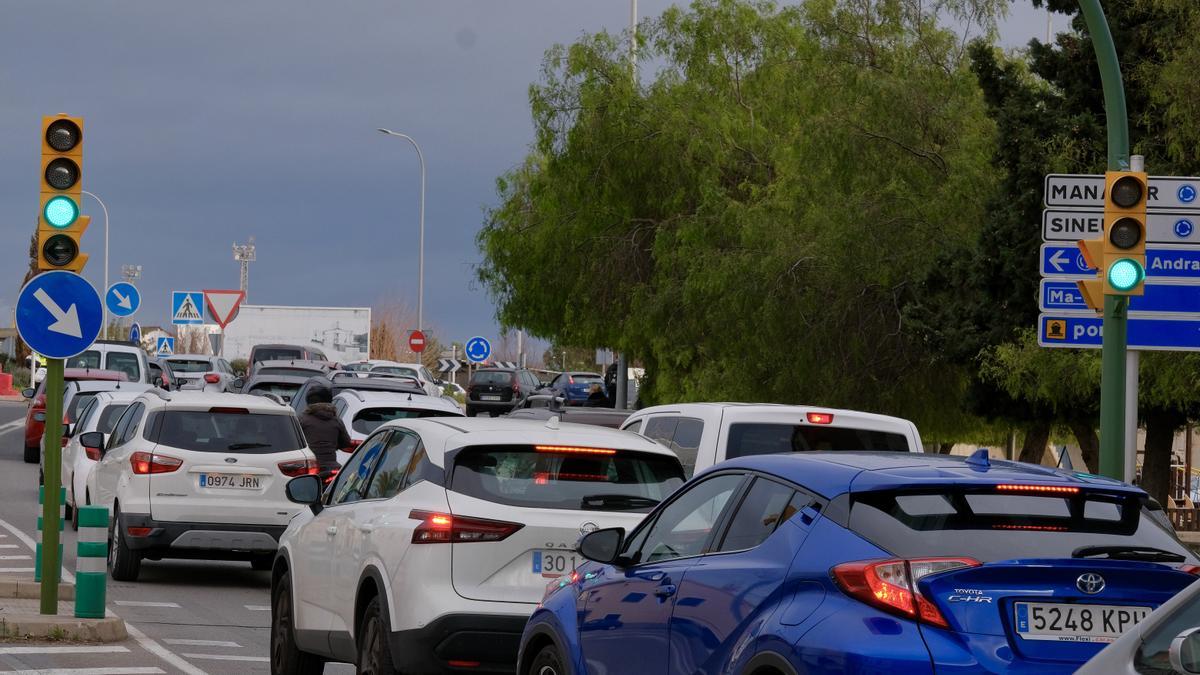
(492, 377)
(88, 359)
(234, 431)
(109, 416)
(283, 391)
(746, 439)
(77, 404)
(124, 362)
(288, 372)
(261, 355)
(579, 479)
(357, 367)
(190, 366)
(990, 525)
(395, 370)
(367, 420)
(585, 378)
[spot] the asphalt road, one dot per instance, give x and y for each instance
(183, 616)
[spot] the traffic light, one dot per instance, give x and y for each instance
(60, 225)
(1120, 256)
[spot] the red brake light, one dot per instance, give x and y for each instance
(145, 463)
(212, 378)
(1057, 489)
(1031, 528)
(820, 418)
(298, 467)
(1190, 569)
(229, 411)
(891, 585)
(443, 528)
(92, 453)
(139, 531)
(330, 475)
(571, 450)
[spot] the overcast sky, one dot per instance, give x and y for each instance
(209, 122)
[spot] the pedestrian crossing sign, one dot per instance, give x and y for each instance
(166, 346)
(187, 308)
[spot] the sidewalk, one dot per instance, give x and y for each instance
(20, 616)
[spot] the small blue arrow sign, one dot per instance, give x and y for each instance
(122, 299)
(59, 314)
(1063, 260)
(1145, 333)
(135, 333)
(478, 349)
(166, 346)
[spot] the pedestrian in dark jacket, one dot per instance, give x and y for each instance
(323, 431)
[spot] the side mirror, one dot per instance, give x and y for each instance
(602, 546)
(93, 440)
(238, 383)
(1185, 652)
(28, 393)
(306, 490)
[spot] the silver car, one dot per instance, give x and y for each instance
(1167, 641)
(202, 373)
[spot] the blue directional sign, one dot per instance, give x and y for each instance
(166, 346)
(122, 299)
(1159, 298)
(1162, 262)
(187, 308)
(59, 314)
(1145, 333)
(478, 349)
(135, 333)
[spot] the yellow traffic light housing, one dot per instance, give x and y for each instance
(1124, 252)
(1092, 290)
(60, 223)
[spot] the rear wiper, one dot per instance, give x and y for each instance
(247, 446)
(617, 502)
(1144, 553)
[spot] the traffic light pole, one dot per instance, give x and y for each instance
(52, 479)
(1116, 308)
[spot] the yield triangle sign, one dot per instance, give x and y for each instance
(223, 305)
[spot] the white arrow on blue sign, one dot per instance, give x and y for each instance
(59, 314)
(1159, 298)
(1162, 262)
(1145, 333)
(135, 333)
(122, 299)
(478, 349)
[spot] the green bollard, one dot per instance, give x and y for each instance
(62, 521)
(91, 562)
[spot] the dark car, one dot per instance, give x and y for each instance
(284, 387)
(348, 381)
(575, 387)
(497, 391)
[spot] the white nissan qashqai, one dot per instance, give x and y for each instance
(438, 538)
(198, 475)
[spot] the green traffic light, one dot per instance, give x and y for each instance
(61, 211)
(1125, 274)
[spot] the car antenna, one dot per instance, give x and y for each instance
(552, 423)
(980, 459)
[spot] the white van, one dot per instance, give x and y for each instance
(702, 434)
(124, 357)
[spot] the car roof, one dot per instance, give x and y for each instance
(594, 416)
(280, 379)
(123, 395)
(293, 363)
(833, 473)
(93, 374)
(190, 357)
(203, 400)
(733, 410)
(368, 397)
(89, 386)
(406, 385)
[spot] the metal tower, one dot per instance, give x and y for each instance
(244, 254)
(131, 272)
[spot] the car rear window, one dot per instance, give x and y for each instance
(369, 419)
(288, 372)
(990, 524)
(284, 391)
(393, 370)
(191, 366)
(217, 431)
(261, 355)
(124, 362)
(585, 379)
(77, 404)
(109, 416)
(492, 377)
(566, 478)
(746, 439)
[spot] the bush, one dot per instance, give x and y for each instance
(240, 366)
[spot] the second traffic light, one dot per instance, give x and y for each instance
(60, 225)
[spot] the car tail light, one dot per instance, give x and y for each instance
(1054, 489)
(229, 411)
(1190, 569)
(298, 467)
(92, 453)
(136, 531)
(820, 418)
(891, 585)
(212, 378)
(330, 475)
(443, 528)
(146, 462)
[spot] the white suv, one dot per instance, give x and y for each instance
(198, 475)
(703, 434)
(437, 540)
(365, 411)
(99, 412)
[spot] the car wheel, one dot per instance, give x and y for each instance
(262, 563)
(493, 413)
(374, 655)
(547, 662)
(32, 454)
(286, 657)
(471, 412)
(124, 564)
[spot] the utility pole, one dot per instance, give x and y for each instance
(622, 381)
(245, 254)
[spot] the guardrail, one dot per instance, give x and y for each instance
(1185, 520)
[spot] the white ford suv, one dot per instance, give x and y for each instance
(437, 540)
(198, 475)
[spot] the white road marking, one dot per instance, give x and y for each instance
(138, 603)
(12, 426)
(67, 575)
(13, 570)
(74, 649)
(162, 652)
(14, 557)
(10, 546)
(201, 643)
(229, 657)
(135, 670)
(258, 608)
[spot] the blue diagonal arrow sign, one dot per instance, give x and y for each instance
(59, 314)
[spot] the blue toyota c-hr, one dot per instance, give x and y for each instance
(863, 562)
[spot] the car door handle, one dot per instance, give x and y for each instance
(331, 530)
(665, 591)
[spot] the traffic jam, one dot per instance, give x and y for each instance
(533, 531)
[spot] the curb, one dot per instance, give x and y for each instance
(108, 629)
(28, 589)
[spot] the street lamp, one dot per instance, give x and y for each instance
(103, 293)
(421, 240)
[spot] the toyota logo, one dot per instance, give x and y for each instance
(1090, 583)
(588, 528)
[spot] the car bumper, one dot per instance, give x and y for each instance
(479, 643)
(492, 405)
(204, 541)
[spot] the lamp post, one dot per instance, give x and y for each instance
(104, 305)
(421, 240)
